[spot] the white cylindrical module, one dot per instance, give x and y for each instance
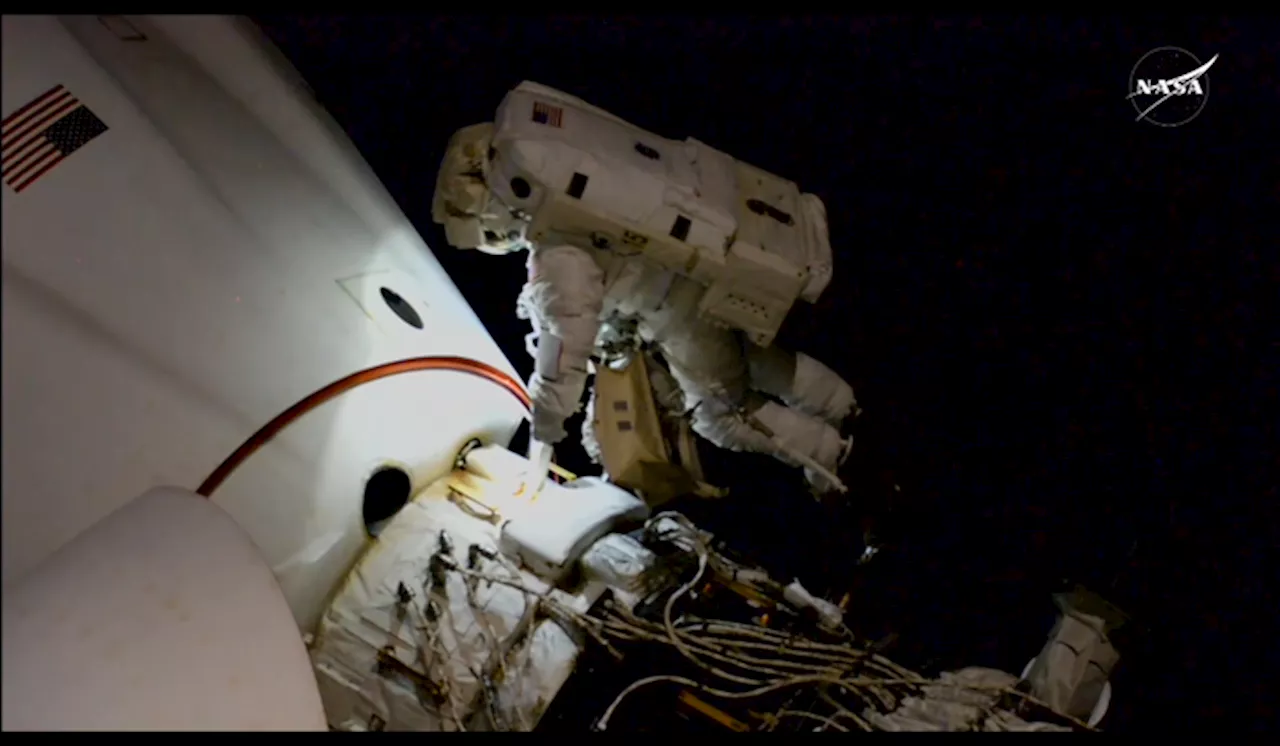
(218, 252)
(163, 616)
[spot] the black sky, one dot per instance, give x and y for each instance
(1064, 320)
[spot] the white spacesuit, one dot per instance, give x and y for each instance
(622, 224)
(722, 376)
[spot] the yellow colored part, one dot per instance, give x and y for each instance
(711, 711)
(563, 473)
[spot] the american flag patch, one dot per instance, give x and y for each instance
(552, 116)
(41, 134)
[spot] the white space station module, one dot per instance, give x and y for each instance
(191, 249)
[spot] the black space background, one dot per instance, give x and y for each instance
(1062, 320)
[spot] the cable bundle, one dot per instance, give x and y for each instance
(846, 686)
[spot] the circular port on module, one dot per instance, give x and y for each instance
(386, 492)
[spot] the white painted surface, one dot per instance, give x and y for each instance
(164, 616)
(476, 627)
(565, 520)
(188, 275)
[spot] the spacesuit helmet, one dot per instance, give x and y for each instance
(472, 216)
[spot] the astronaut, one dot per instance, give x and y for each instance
(738, 394)
(725, 380)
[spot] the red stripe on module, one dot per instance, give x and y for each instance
(22, 153)
(8, 169)
(45, 156)
(31, 179)
(13, 176)
(46, 119)
(18, 126)
(5, 122)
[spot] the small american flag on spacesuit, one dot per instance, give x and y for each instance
(39, 135)
(547, 114)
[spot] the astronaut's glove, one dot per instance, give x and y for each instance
(547, 427)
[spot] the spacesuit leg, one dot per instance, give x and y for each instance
(563, 300)
(709, 365)
(794, 432)
(802, 382)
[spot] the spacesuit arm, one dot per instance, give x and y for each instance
(563, 299)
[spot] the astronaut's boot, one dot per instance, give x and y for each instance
(822, 489)
(792, 437)
(845, 450)
(848, 431)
